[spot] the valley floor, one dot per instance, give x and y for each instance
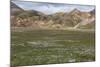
(36, 47)
(21, 29)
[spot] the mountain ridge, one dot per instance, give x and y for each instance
(33, 18)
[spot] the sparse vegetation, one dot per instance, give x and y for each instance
(51, 46)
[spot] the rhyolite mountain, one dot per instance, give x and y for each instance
(59, 20)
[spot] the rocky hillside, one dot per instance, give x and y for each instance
(60, 20)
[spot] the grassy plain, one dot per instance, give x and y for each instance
(38, 47)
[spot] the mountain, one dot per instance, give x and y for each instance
(93, 12)
(15, 9)
(34, 13)
(75, 11)
(36, 19)
(14, 6)
(88, 20)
